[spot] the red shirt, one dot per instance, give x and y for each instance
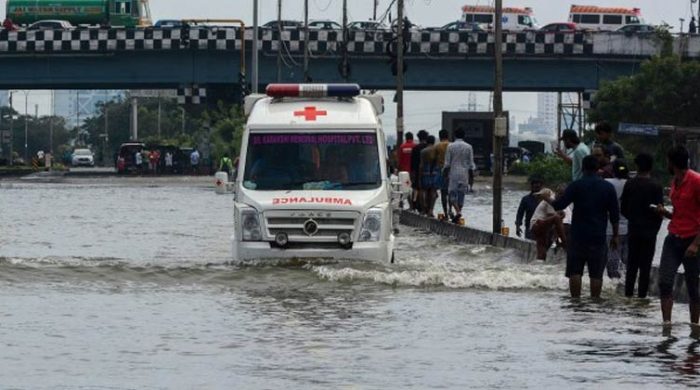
(405, 156)
(686, 206)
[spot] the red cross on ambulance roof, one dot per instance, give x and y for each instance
(310, 113)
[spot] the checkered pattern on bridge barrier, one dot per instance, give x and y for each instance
(328, 43)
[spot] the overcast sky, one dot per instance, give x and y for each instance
(421, 111)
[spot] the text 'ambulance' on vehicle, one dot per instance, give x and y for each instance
(514, 19)
(589, 17)
(313, 180)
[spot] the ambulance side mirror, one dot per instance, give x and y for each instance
(377, 102)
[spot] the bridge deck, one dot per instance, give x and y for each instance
(330, 42)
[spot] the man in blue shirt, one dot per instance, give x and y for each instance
(595, 202)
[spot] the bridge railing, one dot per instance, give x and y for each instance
(330, 43)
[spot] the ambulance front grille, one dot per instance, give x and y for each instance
(330, 224)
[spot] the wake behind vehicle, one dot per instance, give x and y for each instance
(313, 180)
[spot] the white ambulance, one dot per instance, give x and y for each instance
(590, 17)
(313, 180)
(514, 19)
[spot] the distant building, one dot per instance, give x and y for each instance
(77, 105)
(547, 111)
(4, 98)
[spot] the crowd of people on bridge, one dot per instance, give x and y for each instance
(609, 222)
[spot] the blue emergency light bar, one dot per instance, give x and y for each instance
(312, 90)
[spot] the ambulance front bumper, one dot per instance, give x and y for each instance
(380, 251)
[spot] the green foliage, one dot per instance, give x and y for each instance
(220, 129)
(664, 92)
(38, 132)
(552, 169)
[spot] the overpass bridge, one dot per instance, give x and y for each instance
(209, 57)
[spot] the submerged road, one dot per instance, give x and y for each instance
(127, 283)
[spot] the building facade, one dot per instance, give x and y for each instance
(77, 105)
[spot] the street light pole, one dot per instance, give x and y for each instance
(12, 130)
(254, 78)
(399, 75)
(26, 126)
(500, 130)
(307, 77)
(279, 41)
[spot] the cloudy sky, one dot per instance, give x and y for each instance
(421, 111)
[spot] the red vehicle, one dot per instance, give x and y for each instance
(560, 28)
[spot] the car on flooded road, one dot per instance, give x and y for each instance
(83, 158)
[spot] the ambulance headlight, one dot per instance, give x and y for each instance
(371, 225)
(250, 225)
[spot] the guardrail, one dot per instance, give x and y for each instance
(421, 43)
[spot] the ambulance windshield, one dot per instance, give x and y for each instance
(312, 161)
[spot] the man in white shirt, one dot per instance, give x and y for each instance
(543, 221)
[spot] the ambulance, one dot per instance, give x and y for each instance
(514, 19)
(589, 17)
(313, 180)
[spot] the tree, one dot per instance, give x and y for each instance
(666, 91)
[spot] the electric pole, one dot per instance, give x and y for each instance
(344, 65)
(307, 77)
(500, 122)
(134, 118)
(399, 76)
(254, 78)
(279, 41)
(374, 14)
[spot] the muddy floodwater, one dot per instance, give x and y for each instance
(127, 284)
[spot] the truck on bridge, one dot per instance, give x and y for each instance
(127, 13)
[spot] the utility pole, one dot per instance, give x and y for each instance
(134, 118)
(559, 114)
(26, 126)
(12, 130)
(344, 65)
(399, 76)
(374, 14)
(307, 77)
(279, 41)
(159, 115)
(500, 122)
(53, 112)
(254, 78)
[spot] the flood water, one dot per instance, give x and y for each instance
(127, 284)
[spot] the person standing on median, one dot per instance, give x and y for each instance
(577, 150)
(618, 257)
(595, 202)
(643, 224)
(527, 207)
(442, 181)
(459, 160)
(428, 176)
(415, 170)
(683, 240)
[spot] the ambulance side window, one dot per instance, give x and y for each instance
(576, 18)
(590, 19)
(483, 18)
(469, 18)
(612, 19)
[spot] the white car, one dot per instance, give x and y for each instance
(83, 157)
(50, 25)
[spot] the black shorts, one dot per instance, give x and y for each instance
(593, 255)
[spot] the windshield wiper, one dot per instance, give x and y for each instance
(362, 183)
